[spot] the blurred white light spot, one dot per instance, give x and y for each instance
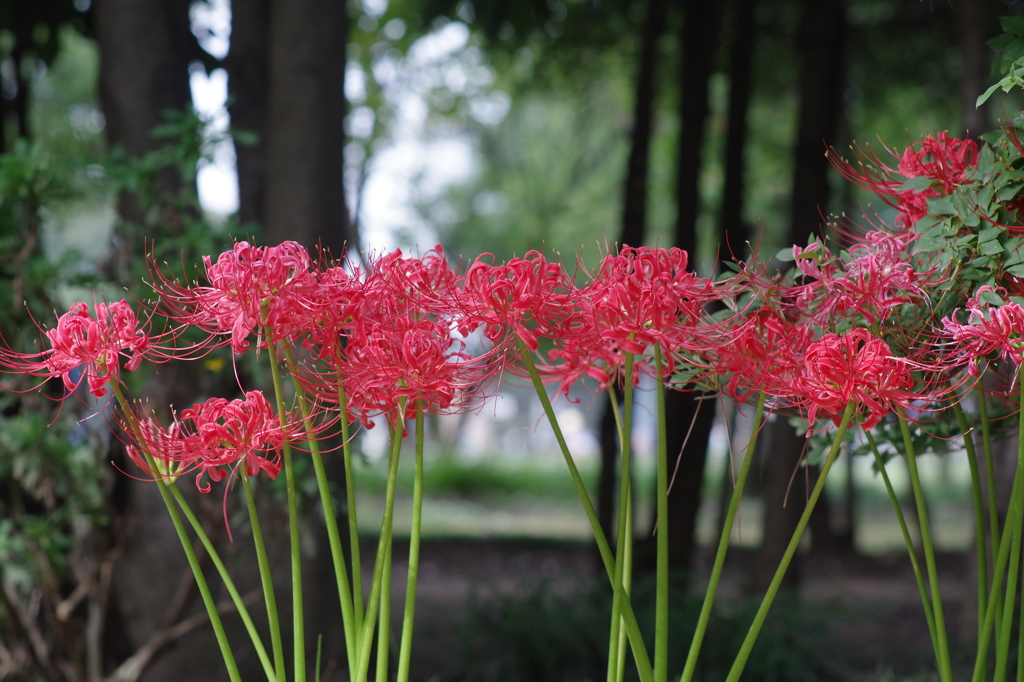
(375, 8)
(360, 122)
(394, 29)
(490, 203)
(490, 109)
(211, 24)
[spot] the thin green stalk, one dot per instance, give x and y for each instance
(627, 586)
(405, 648)
(762, 612)
(921, 586)
(1003, 645)
(330, 517)
(350, 497)
(640, 657)
(993, 506)
(366, 637)
(661, 573)
(384, 629)
(295, 550)
(979, 514)
(186, 544)
(625, 436)
(980, 663)
(266, 578)
(945, 669)
(229, 584)
(723, 546)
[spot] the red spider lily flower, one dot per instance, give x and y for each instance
(645, 296)
(242, 282)
(990, 332)
(416, 359)
(638, 298)
(945, 160)
(425, 285)
(215, 437)
(854, 366)
(764, 354)
(528, 297)
(875, 280)
(96, 342)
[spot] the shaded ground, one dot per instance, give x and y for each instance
(873, 624)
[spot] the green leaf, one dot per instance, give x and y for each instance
(992, 248)
(984, 198)
(941, 206)
(989, 233)
(930, 244)
(916, 184)
(985, 95)
(971, 219)
(1010, 191)
(785, 255)
(1000, 42)
(965, 241)
(981, 262)
(1016, 270)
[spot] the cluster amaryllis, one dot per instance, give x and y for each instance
(943, 162)
(989, 333)
(96, 342)
(213, 438)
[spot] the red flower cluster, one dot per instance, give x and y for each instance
(95, 343)
(215, 437)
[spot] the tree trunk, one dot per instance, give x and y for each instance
(822, 80)
(734, 234)
(634, 205)
(248, 76)
(781, 450)
(974, 26)
(305, 197)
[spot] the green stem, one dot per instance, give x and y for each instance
(266, 578)
(945, 669)
(366, 637)
(405, 648)
(350, 496)
(993, 506)
(627, 580)
(918, 575)
(295, 549)
(229, 584)
(621, 534)
(980, 663)
(723, 546)
(762, 612)
(640, 657)
(979, 513)
(661, 574)
(1003, 645)
(384, 629)
(330, 516)
(186, 544)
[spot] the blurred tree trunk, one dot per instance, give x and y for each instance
(734, 232)
(700, 37)
(248, 77)
(634, 226)
(821, 43)
(975, 24)
(303, 187)
(145, 49)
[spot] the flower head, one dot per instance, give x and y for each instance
(95, 342)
